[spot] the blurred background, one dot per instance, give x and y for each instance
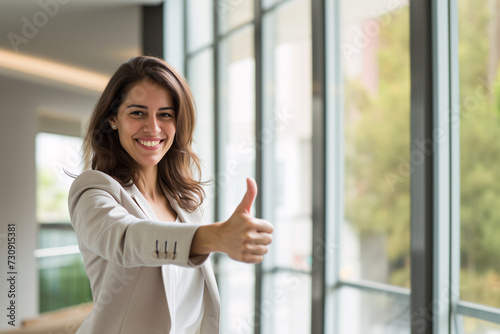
(251, 65)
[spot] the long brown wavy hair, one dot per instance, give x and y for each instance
(102, 149)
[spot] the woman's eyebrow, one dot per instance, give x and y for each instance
(145, 107)
(137, 106)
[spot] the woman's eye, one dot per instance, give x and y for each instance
(137, 113)
(166, 114)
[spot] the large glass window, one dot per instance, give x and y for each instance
(264, 111)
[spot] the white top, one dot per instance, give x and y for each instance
(184, 289)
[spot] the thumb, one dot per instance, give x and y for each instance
(247, 201)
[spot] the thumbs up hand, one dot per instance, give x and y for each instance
(243, 237)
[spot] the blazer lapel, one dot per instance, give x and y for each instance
(141, 202)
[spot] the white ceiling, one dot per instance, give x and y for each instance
(93, 35)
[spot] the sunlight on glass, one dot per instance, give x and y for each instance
(55, 154)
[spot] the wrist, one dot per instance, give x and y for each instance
(205, 240)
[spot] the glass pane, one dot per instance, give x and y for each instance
(286, 304)
(55, 154)
(376, 231)
(236, 282)
(237, 156)
(288, 104)
(237, 95)
(56, 235)
(233, 13)
(200, 77)
(479, 40)
(63, 282)
(361, 312)
(477, 326)
(199, 23)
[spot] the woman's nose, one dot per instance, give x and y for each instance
(151, 125)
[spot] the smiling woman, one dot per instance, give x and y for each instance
(137, 212)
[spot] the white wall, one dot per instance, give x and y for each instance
(19, 104)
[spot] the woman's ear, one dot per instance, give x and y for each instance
(112, 122)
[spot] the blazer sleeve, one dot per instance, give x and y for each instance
(105, 227)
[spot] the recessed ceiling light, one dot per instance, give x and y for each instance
(51, 70)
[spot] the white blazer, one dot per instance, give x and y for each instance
(123, 247)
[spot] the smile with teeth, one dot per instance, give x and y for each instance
(151, 143)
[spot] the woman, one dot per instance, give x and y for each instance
(136, 211)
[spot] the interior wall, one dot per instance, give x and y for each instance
(18, 130)
(17, 202)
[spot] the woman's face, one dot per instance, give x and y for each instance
(146, 123)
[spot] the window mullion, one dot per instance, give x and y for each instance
(262, 168)
(441, 159)
(421, 182)
(318, 166)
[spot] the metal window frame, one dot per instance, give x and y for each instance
(318, 185)
(422, 176)
(261, 158)
(441, 178)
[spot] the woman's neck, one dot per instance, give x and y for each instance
(147, 183)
